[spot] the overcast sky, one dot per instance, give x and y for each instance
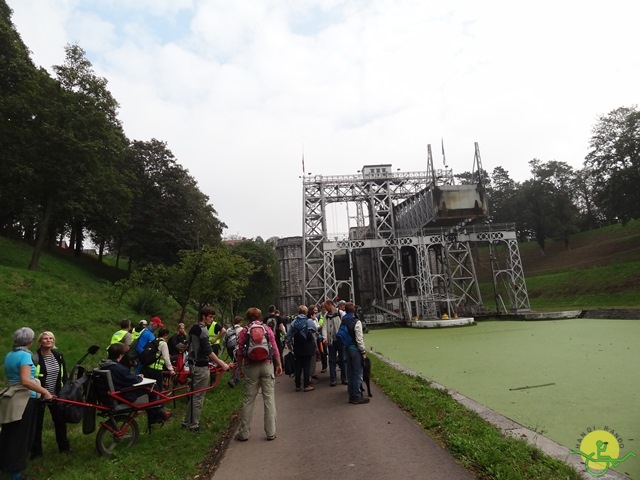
(241, 90)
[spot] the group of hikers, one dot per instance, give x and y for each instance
(329, 334)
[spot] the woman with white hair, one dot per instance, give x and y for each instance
(18, 404)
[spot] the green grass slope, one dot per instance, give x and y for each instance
(598, 269)
(74, 298)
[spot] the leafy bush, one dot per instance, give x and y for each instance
(147, 302)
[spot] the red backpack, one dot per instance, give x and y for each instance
(257, 347)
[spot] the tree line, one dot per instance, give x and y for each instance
(70, 172)
(559, 200)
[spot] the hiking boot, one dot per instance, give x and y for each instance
(309, 388)
(359, 400)
(158, 417)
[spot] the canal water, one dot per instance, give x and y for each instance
(557, 377)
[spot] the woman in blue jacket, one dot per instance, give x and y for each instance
(18, 404)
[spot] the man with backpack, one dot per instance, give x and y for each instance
(355, 352)
(257, 351)
(145, 337)
(200, 353)
(155, 358)
(301, 340)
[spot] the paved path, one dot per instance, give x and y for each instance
(322, 436)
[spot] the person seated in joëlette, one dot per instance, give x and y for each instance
(121, 376)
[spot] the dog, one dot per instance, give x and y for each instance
(366, 375)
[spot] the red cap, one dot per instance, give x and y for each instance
(157, 321)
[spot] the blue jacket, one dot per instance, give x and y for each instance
(146, 336)
(300, 324)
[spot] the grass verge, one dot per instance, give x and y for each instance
(169, 452)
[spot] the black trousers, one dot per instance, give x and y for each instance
(303, 368)
(60, 429)
(16, 439)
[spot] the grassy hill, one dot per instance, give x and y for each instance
(598, 269)
(75, 299)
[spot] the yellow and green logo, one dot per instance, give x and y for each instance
(600, 450)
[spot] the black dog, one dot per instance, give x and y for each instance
(366, 375)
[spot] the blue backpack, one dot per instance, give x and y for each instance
(343, 337)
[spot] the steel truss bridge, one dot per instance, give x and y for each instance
(409, 254)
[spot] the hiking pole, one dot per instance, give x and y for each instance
(78, 365)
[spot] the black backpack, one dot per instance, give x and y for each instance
(289, 364)
(300, 336)
(72, 390)
(150, 353)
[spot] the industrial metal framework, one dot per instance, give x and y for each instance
(412, 237)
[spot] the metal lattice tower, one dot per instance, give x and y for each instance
(414, 230)
(377, 193)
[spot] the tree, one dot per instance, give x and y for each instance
(545, 202)
(102, 197)
(53, 161)
(262, 288)
(501, 196)
(613, 163)
(169, 213)
(207, 276)
(18, 102)
(471, 178)
(584, 196)
(71, 138)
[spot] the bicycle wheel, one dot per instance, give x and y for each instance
(107, 441)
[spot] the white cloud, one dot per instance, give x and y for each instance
(240, 89)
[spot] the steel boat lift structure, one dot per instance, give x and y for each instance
(408, 258)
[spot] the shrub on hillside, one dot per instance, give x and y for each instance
(147, 301)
